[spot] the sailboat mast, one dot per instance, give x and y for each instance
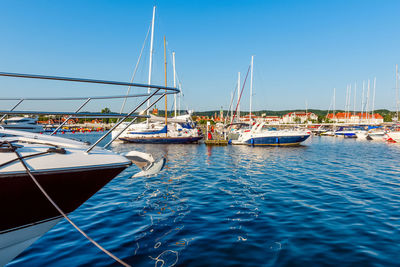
(362, 102)
(173, 66)
(373, 99)
(355, 95)
(179, 99)
(397, 93)
(334, 102)
(349, 105)
(238, 98)
(151, 57)
(347, 101)
(367, 109)
(165, 73)
(251, 87)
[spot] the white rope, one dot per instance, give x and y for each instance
(65, 216)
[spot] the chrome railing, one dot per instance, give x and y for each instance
(86, 100)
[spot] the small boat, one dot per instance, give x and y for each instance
(349, 132)
(258, 136)
(377, 134)
(22, 124)
(393, 134)
(321, 130)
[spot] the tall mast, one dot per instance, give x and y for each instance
(397, 93)
(355, 95)
(238, 98)
(251, 87)
(165, 73)
(232, 94)
(347, 101)
(349, 104)
(367, 108)
(362, 102)
(151, 57)
(334, 102)
(179, 99)
(373, 99)
(173, 66)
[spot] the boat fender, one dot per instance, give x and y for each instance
(252, 141)
(230, 142)
(58, 150)
(277, 140)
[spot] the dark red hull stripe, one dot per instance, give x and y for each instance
(22, 203)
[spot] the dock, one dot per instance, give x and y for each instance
(216, 142)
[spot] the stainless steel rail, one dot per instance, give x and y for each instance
(76, 114)
(84, 80)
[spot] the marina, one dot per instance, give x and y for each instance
(224, 133)
(302, 205)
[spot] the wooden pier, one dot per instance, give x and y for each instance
(216, 142)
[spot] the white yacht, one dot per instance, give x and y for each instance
(45, 177)
(257, 136)
(22, 124)
(64, 169)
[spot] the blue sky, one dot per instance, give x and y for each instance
(302, 49)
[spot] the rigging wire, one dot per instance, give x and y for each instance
(135, 70)
(240, 97)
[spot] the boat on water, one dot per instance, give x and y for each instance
(393, 134)
(22, 124)
(157, 130)
(62, 167)
(377, 134)
(45, 177)
(347, 132)
(178, 130)
(257, 136)
(371, 133)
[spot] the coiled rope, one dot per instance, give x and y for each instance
(62, 213)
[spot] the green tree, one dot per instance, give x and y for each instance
(106, 110)
(387, 117)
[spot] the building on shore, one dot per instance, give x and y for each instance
(299, 117)
(360, 118)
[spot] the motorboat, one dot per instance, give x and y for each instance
(257, 136)
(347, 132)
(61, 166)
(321, 130)
(22, 124)
(393, 134)
(44, 177)
(378, 134)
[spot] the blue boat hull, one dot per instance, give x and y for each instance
(277, 140)
(348, 135)
(162, 140)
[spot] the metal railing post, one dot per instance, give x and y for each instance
(122, 120)
(20, 101)
(134, 119)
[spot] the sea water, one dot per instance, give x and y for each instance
(331, 201)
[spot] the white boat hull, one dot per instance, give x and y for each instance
(13, 242)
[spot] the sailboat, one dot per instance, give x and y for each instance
(157, 130)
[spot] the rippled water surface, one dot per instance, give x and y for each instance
(332, 201)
